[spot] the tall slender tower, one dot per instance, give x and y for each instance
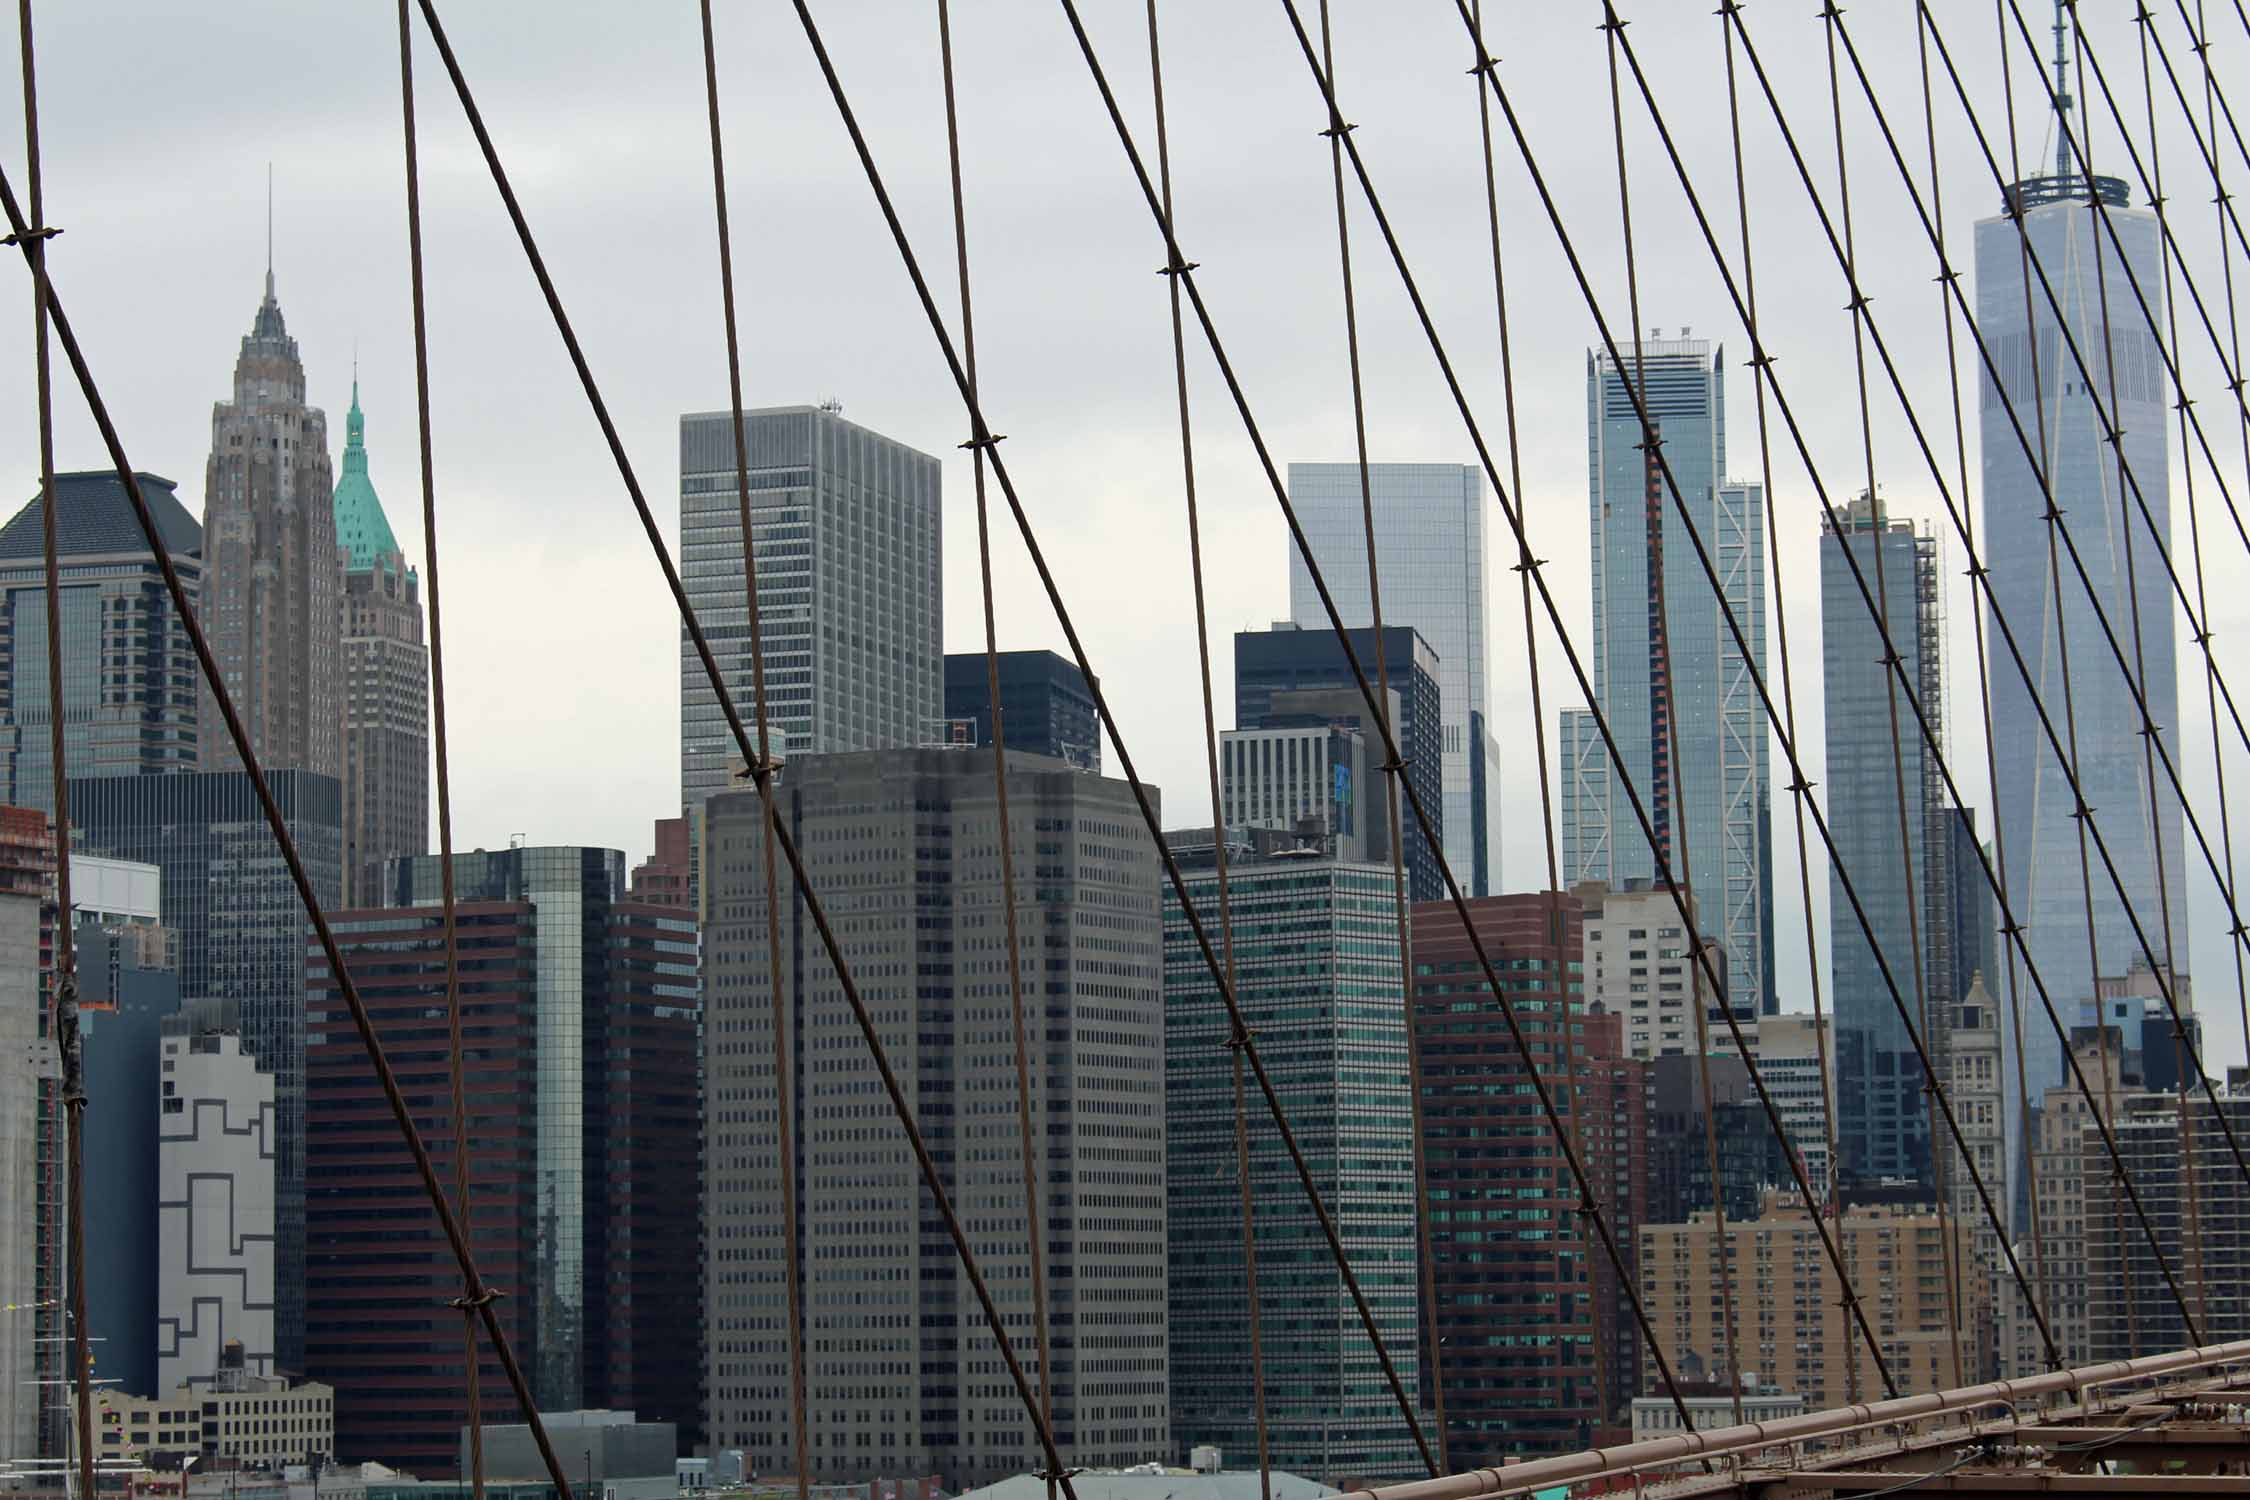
(272, 573)
(386, 683)
(2057, 621)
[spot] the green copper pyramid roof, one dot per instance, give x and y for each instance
(362, 530)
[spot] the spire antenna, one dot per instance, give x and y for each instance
(269, 232)
(2063, 100)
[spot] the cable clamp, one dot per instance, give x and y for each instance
(1728, 8)
(1760, 360)
(986, 443)
(1890, 658)
(1652, 442)
(2184, 403)
(1975, 569)
(1528, 565)
(1338, 128)
(1613, 23)
(1801, 786)
(1485, 65)
(1946, 274)
(2053, 513)
(29, 235)
(2114, 436)
(1055, 1476)
(1178, 267)
(2202, 639)
(2238, 930)
(1859, 302)
(2149, 729)
(1240, 1040)
(758, 767)
(481, 1300)
(2011, 929)
(2084, 809)
(1831, 11)
(1392, 767)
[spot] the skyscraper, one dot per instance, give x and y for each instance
(229, 900)
(2069, 418)
(1429, 549)
(272, 570)
(901, 1374)
(386, 682)
(1044, 704)
(1671, 679)
(1331, 1009)
(129, 675)
(849, 587)
(1288, 676)
(28, 1063)
(1876, 757)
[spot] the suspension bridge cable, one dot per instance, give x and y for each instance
(2165, 987)
(1523, 567)
(69, 1044)
(1139, 788)
(1948, 313)
(825, 930)
(1034, 1199)
(784, 1071)
(1670, 790)
(1800, 788)
(1932, 849)
(1394, 769)
(473, 1291)
(270, 809)
(1239, 1035)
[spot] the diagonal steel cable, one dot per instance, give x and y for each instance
(793, 1300)
(1931, 850)
(473, 1291)
(69, 1045)
(913, 266)
(425, 1168)
(1670, 790)
(1239, 1035)
(979, 445)
(1524, 565)
(760, 770)
(1394, 769)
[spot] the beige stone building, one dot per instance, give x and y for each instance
(257, 1421)
(1795, 1334)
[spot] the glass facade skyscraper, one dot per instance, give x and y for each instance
(2037, 833)
(1906, 891)
(850, 592)
(240, 927)
(1044, 704)
(129, 675)
(1429, 548)
(1320, 978)
(1672, 678)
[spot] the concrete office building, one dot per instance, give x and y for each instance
(1640, 965)
(217, 1185)
(1430, 552)
(1676, 689)
(273, 574)
(1525, 1294)
(239, 924)
(386, 688)
(128, 987)
(1339, 1062)
(903, 847)
(2069, 418)
(235, 1418)
(1796, 1057)
(1795, 1333)
(2200, 1208)
(129, 675)
(583, 1107)
(850, 594)
(1289, 676)
(1044, 704)
(1318, 780)
(666, 877)
(1893, 832)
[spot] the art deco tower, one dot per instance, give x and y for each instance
(272, 575)
(386, 682)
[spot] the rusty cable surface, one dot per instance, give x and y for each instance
(472, 1288)
(783, 1072)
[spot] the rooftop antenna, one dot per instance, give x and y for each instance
(2063, 166)
(269, 231)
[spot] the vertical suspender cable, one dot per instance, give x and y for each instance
(784, 1070)
(1394, 771)
(68, 1043)
(1239, 1036)
(473, 1292)
(1670, 791)
(1034, 1200)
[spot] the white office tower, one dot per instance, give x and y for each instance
(215, 1203)
(1429, 550)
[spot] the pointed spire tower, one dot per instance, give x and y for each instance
(386, 681)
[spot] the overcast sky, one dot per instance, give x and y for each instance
(159, 124)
